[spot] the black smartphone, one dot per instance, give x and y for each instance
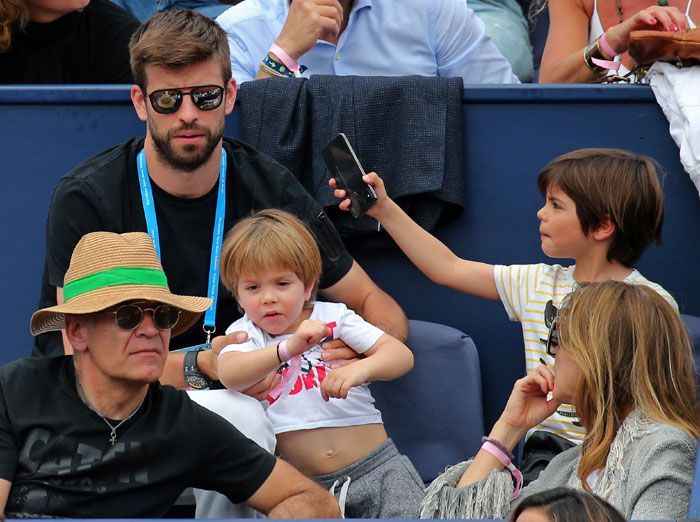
(347, 171)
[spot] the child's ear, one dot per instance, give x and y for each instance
(307, 293)
(604, 230)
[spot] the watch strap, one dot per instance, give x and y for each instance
(194, 377)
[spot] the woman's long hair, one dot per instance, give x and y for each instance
(13, 14)
(633, 352)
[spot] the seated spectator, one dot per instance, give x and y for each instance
(588, 39)
(94, 435)
(81, 41)
(624, 359)
(271, 263)
(565, 505)
(363, 37)
(507, 26)
(144, 9)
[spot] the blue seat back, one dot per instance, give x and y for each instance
(434, 414)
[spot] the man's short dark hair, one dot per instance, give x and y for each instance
(176, 39)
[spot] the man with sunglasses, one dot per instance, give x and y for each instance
(95, 435)
(187, 185)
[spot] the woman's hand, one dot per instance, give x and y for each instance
(377, 210)
(652, 18)
(527, 405)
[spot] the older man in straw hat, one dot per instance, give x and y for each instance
(96, 435)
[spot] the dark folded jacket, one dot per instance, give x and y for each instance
(408, 129)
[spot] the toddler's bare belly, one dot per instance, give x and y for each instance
(325, 450)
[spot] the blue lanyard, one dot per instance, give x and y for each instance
(217, 236)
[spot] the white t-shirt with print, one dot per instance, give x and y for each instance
(532, 294)
(301, 407)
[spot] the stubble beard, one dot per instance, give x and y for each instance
(192, 156)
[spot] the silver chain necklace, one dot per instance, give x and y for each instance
(113, 433)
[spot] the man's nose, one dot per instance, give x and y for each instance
(148, 326)
(188, 111)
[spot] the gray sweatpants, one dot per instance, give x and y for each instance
(383, 484)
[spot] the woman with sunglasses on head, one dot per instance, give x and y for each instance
(624, 359)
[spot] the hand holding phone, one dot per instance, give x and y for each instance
(344, 166)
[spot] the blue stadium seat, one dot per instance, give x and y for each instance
(434, 414)
(692, 323)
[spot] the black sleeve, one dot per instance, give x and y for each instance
(72, 214)
(113, 29)
(229, 462)
(261, 183)
(8, 445)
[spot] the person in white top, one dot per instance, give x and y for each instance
(603, 207)
(587, 38)
(322, 414)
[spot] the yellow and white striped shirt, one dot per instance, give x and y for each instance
(525, 291)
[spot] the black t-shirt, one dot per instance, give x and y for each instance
(88, 46)
(103, 194)
(57, 453)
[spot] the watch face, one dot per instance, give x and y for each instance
(197, 382)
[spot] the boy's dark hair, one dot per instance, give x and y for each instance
(176, 39)
(569, 505)
(615, 184)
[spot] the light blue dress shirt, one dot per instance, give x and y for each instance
(383, 38)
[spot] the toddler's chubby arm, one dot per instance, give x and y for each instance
(430, 255)
(239, 370)
(387, 359)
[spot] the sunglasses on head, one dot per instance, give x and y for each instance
(129, 316)
(204, 97)
(553, 338)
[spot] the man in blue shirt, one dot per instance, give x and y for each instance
(361, 37)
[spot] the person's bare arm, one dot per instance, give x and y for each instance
(424, 250)
(386, 360)
(5, 486)
(288, 494)
(562, 60)
(359, 293)
(306, 23)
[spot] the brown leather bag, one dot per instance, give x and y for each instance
(680, 48)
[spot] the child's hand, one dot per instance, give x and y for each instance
(261, 389)
(376, 211)
(338, 382)
(308, 334)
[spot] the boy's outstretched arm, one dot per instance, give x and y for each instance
(387, 359)
(429, 254)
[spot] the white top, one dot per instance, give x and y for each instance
(532, 294)
(301, 407)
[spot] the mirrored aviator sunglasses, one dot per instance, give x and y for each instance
(204, 97)
(129, 316)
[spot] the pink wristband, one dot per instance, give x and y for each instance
(283, 351)
(605, 47)
(494, 450)
(287, 60)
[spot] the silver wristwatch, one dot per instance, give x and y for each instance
(194, 377)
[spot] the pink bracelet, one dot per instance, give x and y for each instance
(283, 351)
(494, 450)
(287, 60)
(606, 48)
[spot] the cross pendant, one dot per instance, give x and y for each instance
(113, 437)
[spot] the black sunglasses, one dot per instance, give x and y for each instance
(204, 97)
(129, 316)
(553, 338)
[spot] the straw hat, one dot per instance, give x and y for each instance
(107, 269)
